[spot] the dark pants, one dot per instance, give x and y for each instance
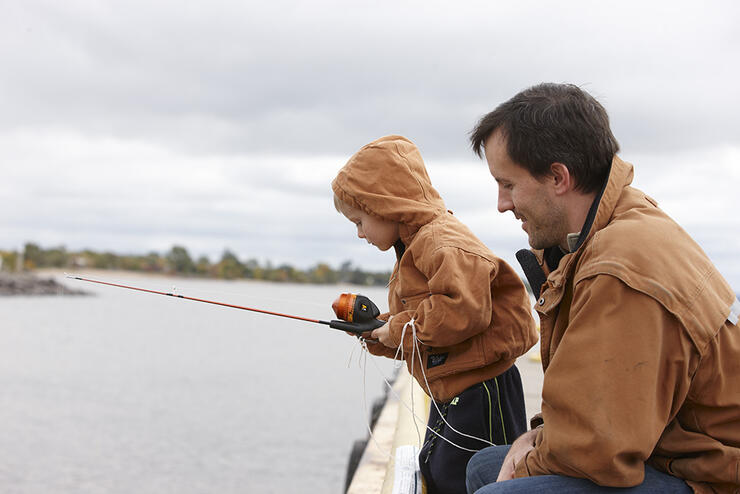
(492, 410)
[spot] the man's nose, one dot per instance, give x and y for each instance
(360, 233)
(504, 202)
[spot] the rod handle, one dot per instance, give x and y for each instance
(356, 327)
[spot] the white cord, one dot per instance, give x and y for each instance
(415, 350)
(363, 346)
(423, 373)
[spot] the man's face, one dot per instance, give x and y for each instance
(531, 200)
(382, 234)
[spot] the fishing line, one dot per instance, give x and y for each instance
(423, 373)
(400, 400)
(413, 413)
(403, 333)
(416, 351)
(363, 357)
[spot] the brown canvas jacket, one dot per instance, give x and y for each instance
(470, 309)
(641, 353)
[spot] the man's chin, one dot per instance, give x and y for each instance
(537, 243)
(541, 245)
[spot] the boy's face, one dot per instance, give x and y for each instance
(382, 234)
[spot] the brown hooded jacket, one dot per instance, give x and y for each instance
(641, 352)
(470, 309)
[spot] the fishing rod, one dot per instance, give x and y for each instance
(357, 314)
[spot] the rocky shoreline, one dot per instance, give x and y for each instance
(29, 284)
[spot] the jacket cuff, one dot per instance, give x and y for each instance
(521, 469)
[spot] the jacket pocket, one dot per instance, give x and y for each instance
(444, 361)
(411, 301)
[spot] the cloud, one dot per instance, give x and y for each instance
(241, 78)
(134, 125)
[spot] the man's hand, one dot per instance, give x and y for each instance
(383, 334)
(523, 445)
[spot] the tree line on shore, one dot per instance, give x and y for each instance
(177, 261)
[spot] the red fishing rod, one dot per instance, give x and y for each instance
(357, 312)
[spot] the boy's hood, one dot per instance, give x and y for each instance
(387, 179)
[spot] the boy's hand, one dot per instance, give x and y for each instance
(383, 335)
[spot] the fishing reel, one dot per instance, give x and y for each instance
(358, 314)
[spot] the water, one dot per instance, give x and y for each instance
(130, 392)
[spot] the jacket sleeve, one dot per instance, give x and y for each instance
(616, 379)
(458, 304)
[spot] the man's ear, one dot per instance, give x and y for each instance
(561, 177)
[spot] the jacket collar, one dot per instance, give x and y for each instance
(620, 176)
(602, 209)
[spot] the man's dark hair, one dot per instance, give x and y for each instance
(551, 123)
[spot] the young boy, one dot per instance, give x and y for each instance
(468, 309)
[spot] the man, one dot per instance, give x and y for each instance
(639, 332)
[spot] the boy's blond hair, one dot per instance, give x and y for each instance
(339, 205)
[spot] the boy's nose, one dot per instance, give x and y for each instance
(360, 233)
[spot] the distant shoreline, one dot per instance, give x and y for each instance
(178, 262)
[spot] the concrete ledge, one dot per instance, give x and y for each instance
(396, 427)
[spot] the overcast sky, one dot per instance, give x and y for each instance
(132, 126)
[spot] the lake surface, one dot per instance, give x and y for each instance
(127, 392)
